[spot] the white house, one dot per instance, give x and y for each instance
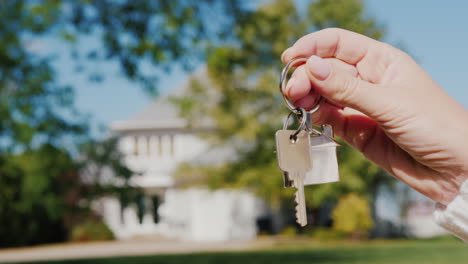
(154, 142)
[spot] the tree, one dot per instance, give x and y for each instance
(45, 192)
(132, 33)
(35, 185)
(242, 100)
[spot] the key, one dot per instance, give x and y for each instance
(294, 159)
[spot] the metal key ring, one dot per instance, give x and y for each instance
(282, 83)
(301, 113)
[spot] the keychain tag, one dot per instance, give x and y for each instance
(324, 160)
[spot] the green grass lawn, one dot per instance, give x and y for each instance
(376, 252)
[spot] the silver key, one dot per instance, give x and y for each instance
(294, 160)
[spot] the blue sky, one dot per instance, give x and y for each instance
(435, 32)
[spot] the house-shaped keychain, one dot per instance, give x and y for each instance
(324, 160)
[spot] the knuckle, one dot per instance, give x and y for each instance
(332, 30)
(346, 89)
(304, 39)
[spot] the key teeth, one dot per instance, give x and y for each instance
(297, 216)
(296, 199)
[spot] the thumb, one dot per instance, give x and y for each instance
(332, 81)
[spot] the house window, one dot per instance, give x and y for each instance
(171, 145)
(160, 150)
(148, 145)
(155, 201)
(123, 204)
(141, 208)
(135, 146)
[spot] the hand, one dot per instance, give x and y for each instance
(383, 104)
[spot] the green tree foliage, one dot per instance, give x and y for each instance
(352, 216)
(160, 33)
(45, 192)
(240, 96)
(31, 104)
(34, 108)
(34, 186)
(157, 33)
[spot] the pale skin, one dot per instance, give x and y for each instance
(385, 105)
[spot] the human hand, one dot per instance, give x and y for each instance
(386, 106)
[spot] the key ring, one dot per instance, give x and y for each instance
(301, 117)
(282, 83)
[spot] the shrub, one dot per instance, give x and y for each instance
(91, 230)
(325, 234)
(289, 231)
(352, 216)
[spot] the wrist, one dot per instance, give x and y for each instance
(451, 187)
(454, 216)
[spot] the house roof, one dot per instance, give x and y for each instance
(160, 114)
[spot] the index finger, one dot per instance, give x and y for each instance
(345, 45)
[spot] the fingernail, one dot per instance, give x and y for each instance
(283, 56)
(289, 87)
(319, 68)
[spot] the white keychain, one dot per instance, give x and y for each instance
(324, 160)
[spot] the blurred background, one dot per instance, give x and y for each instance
(143, 127)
